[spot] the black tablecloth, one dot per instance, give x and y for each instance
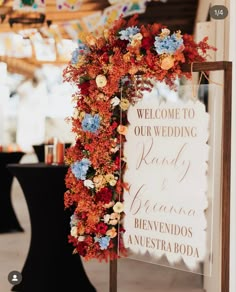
(8, 219)
(50, 265)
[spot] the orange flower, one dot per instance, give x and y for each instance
(99, 181)
(80, 229)
(91, 40)
(122, 130)
(111, 232)
(167, 62)
(114, 218)
(126, 57)
(93, 218)
(133, 70)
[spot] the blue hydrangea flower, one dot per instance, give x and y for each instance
(81, 50)
(168, 44)
(80, 168)
(91, 123)
(104, 242)
(128, 33)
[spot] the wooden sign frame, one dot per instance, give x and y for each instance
(226, 67)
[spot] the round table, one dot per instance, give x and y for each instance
(50, 265)
(8, 218)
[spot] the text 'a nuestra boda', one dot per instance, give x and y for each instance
(152, 243)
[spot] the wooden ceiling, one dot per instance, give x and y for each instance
(176, 14)
(52, 14)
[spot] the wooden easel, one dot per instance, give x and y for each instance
(226, 167)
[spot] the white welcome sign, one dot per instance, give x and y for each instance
(167, 160)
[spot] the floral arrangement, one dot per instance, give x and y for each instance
(100, 67)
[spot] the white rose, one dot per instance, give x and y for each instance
(115, 101)
(89, 184)
(106, 218)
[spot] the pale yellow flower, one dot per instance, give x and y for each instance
(76, 113)
(109, 177)
(75, 98)
(74, 231)
(99, 181)
(124, 104)
(81, 115)
(112, 182)
(118, 207)
(101, 80)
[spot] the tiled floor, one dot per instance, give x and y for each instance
(132, 275)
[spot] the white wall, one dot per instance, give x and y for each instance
(232, 57)
(225, 41)
(3, 99)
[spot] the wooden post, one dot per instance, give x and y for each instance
(225, 179)
(113, 276)
(226, 161)
(226, 157)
